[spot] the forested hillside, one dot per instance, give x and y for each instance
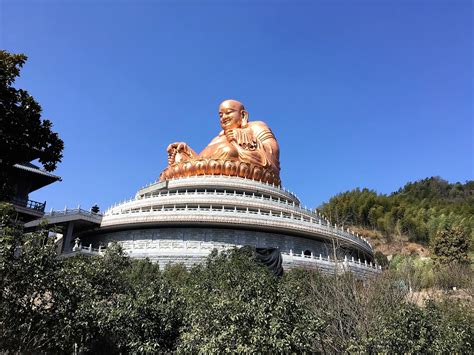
(416, 212)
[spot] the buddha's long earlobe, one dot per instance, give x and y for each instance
(245, 118)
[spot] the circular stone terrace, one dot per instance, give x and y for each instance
(184, 219)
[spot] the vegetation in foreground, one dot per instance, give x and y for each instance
(24, 134)
(232, 303)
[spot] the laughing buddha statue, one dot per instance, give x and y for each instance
(245, 149)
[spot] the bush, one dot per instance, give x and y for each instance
(413, 329)
(381, 259)
(451, 245)
(113, 304)
(414, 272)
(235, 304)
(454, 275)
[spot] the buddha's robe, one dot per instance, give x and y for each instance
(254, 144)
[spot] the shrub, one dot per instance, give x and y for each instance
(381, 259)
(451, 245)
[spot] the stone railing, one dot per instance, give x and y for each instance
(284, 208)
(70, 211)
(34, 205)
(222, 181)
(331, 267)
(343, 262)
(233, 216)
(66, 215)
(214, 197)
(150, 200)
(218, 193)
(79, 248)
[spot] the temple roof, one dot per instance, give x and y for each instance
(39, 177)
(35, 169)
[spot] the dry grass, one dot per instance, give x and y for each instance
(420, 297)
(391, 245)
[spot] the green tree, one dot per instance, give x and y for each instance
(409, 329)
(236, 305)
(24, 135)
(147, 317)
(34, 298)
(381, 259)
(418, 210)
(450, 246)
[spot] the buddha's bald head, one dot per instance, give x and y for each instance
(232, 114)
(237, 105)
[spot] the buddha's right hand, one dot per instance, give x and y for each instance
(178, 151)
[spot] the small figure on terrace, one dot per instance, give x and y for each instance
(242, 148)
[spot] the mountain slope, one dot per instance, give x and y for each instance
(406, 220)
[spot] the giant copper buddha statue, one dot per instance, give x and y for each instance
(242, 148)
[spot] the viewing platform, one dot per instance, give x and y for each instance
(31, 208)
(227, 201)
(182, 220)
(67, 215)
(70, 222)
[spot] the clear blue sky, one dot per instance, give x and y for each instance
(359, 93)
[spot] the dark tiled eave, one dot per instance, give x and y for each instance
(31, 168)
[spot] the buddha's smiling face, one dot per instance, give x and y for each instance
(231, 114)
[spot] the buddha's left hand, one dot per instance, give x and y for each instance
(230, 135)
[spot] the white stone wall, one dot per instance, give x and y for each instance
(184, 241)
(182, 238)
(191, 245)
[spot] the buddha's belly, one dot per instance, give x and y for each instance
(221, 149)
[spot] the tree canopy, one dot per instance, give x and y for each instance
(418, 210)
(451, 245)
(24, 135)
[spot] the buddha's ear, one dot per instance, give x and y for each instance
(245, 118)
